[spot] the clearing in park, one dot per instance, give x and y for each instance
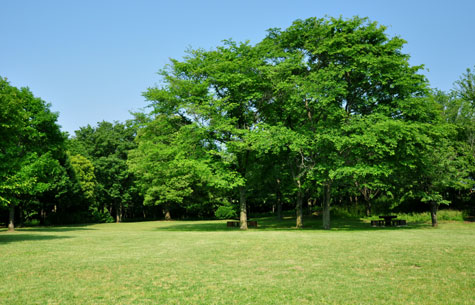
(205, 262)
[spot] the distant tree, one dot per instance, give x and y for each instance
(177, 167)
(106, 146)
(161, 164)
(437, 168)
(465, 87)
(463, 115)
(458, 110)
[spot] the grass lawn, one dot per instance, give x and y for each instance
(203, 262)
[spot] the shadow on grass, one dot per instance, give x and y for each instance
(54, 229)
(197, 226)
(287, 224)
(17, 237)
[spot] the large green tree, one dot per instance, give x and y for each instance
(31, 149)
(330, 74)
(220, 91)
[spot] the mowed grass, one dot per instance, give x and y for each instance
(204, 262)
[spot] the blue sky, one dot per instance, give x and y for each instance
(93, 59)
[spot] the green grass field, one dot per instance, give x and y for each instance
(203, 262)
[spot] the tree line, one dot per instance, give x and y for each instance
(326, 113)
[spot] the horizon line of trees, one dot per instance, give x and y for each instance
(327, 112)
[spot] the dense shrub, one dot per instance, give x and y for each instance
(225, 212)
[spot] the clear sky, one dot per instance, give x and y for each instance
(93, 59)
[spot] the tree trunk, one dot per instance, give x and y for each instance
(42, 216)
(326, 206)
(166, 212)
(367, 198)
(279, 201)
(243, 206)
(368, 208)
(11, 226)
(117, 213)
(20, 216)
(308, 208)
(299, 210)
(433, 213)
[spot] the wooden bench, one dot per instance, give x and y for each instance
(252, 223)
(398, 222)
(394, 222)
(377, 223)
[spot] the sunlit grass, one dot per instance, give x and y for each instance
(204, 262)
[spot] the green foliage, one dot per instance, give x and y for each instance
(341, 212)
(100, 217)
(84, 170)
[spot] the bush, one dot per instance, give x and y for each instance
(450, 215)
(225, 212)
(101, 217)
(342, 212)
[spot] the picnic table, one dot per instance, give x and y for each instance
(387, 219)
